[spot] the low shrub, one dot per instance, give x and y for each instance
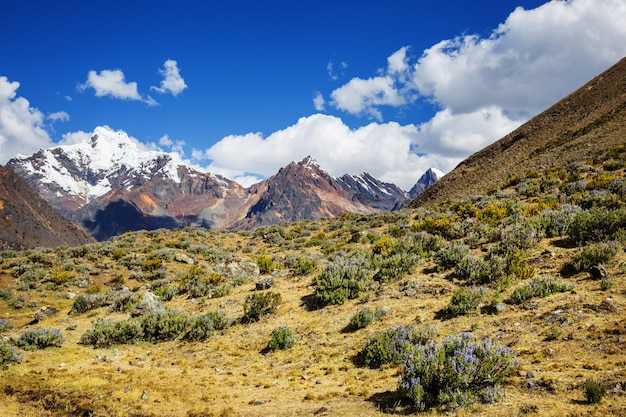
(5, 326)
(455, 373)
(40, 339)
(394, 267)
(594, 391)
(540, 287)
(347, 278)
(593, 255)
(362, 318)
(87, 302)
(282, 338)
(204, 326)
(304, 265)
(451, 256)
(597, 225)
(260, 305)
(466, 300)
(389, 346)
(158, 327)
(8, 354)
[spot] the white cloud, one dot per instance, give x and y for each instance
(59, 116)
(383, 150)
(112, 83)
(21, 126)
(318, 102)
(172, 81)
(486, 87)
(175, 146)
(72, 138)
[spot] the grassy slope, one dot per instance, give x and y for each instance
(229, 375)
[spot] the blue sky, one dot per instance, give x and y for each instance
(244, 87)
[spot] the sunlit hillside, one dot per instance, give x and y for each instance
(332, 317)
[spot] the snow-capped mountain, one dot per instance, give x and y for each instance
(111, 183)
(426, 180)
(70, 176)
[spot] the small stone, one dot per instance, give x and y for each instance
(265, 284)
(70, 295)
(500, 307)
(320, 410)
(258, 402)
(411, 292)
(530, 375)
(144, 395)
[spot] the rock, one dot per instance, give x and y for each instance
(320, 410)
(265, 283)
(149, 303)
(608, 305)
(598, 272)
(238, 270)
(500, 307)
(529, 375)
(181, 257)
(45, 312)
(70, 295)
(144, 395)
(258, 402)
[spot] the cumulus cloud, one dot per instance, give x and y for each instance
(172, 81)
(383, 150)
(22, 127)
(487, 86)
(112, 83)
(72, 138)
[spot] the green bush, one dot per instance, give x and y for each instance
(394, 267)
(593, 255)
(540, 287)
(451, 256)
(158, 327)
(5, 326)
(594, 391)
(107, 333)
(456, 373)
(466, 300)
(204, 326)
(597, 225)
(260, 305)
(40, 339)
(87, 302)
(389, 346)
(266, 264)
(347, 278)
(282, 338)
(304, 265)
(362, 318)
(8, 354)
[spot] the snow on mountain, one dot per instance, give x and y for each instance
(89, 168)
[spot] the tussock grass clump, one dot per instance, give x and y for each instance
(594, 391)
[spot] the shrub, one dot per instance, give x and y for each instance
(40, 339)
(389, 346)
(362, 319)
(153, 264)
(304, 265)
(455, 373)
(5, 326)
(466, 300)
(540, 287)
(596, 225)
(204, 326)
(593, 255)
(396, 266)
(266, 264)
(347, 278)
(87, 302)
(282, 338)
(450, 257)
(594, 391)
(107, 333)
(166, 293)
(383, 246)
(163, 326)
(259, 305)
(59, 276)
(8, 354)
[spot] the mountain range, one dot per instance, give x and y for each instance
(110, 184)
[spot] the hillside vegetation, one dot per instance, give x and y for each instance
(506, 303)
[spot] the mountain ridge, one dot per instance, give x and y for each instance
(153, 189)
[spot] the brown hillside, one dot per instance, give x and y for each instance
(583, 124)
(27, 221)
